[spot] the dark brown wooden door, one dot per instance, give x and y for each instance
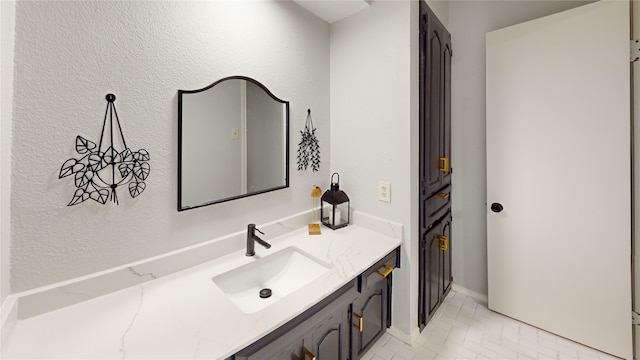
(435, 103)
(435, 164)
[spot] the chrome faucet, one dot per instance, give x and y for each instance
(252, 238)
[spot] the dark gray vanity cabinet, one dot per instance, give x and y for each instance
(342, 326)
(322, 332)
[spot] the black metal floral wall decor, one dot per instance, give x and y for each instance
(108, 165)
(308, 148)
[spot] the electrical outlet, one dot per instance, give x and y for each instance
(384, 191)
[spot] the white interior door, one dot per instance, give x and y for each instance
(558, 161)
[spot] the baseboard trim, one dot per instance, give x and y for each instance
(479, 297)
(403, 336)
(9, 318)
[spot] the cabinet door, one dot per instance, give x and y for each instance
(329, 339)
(435, 103)
(287, 347)
(369, 317)
(435, 268)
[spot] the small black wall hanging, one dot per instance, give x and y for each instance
(308, 148)
(100, 172)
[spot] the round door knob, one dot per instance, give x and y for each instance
(496, 207)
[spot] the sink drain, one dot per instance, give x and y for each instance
(265, 293)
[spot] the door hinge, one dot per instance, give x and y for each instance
(634, 48)
(635, 318)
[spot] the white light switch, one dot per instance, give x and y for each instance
(234, 133)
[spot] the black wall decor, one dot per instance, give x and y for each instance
(110, 164)
(308, 147)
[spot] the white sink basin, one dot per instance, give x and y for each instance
(283, 272)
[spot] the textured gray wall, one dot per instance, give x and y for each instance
(69, 55)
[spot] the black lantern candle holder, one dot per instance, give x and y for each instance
(334, 208)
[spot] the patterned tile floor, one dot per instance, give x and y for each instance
(464, 329)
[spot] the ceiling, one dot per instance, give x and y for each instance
(333, 10)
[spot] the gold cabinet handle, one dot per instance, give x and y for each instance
(444, 243)
(445, 164)
(443, 195)
(386, 272)
(308, 354)
(359, 325)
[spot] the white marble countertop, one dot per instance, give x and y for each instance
(184, 315)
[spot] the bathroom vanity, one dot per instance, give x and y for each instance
(187, 314)
(341, 326)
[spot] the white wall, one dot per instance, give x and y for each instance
(468, 23)
(69, 55)
(373, 133)
(7, 23)
(441, 9)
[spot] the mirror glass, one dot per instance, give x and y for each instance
(233, 141)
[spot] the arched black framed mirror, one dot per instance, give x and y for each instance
(233, 142)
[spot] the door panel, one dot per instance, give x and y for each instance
(446, 278)
(558, 145)
(434, 110)
(329, 345)
(330, 337)
(446, 116)
(372, 305)
(433, 274)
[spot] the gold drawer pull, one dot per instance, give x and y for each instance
(359, 325)
(444, 243)
(445, 164)
(308, 354)
(386, 272)
(443, 195)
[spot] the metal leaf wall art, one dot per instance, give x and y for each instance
(105, 167)
(308, 147)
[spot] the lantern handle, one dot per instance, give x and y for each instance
(335, 173)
